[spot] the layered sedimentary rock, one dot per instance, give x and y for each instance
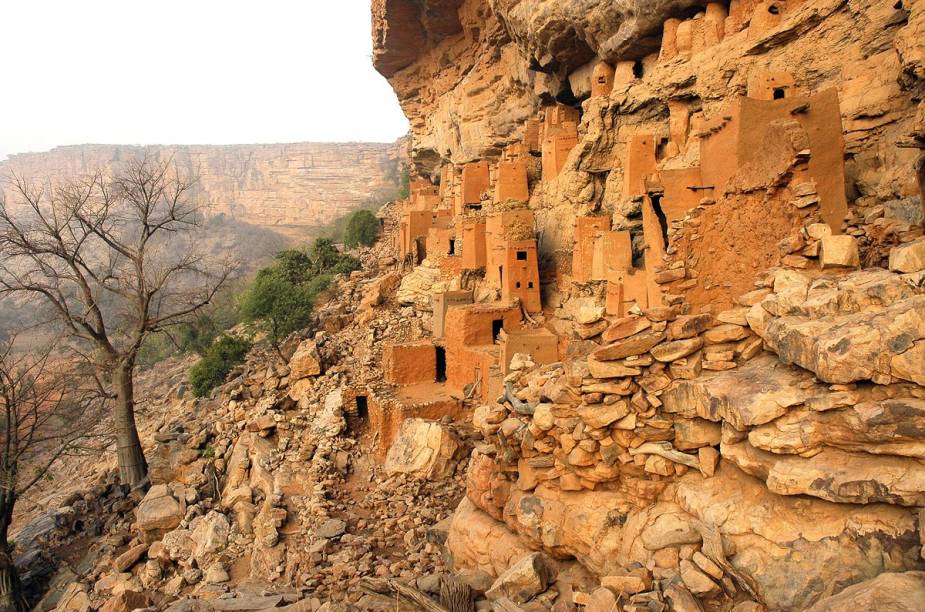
(299, 184)
(672, 253)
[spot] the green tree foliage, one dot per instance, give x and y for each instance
(281, 298)
(404, 183)
(276, 305)
(362, 229)
(220, 358)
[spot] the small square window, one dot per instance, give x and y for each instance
(521, 256)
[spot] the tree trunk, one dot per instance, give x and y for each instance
(133, 469)
(12, 598)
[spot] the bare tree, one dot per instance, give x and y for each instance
(44, 416)
(113, 256)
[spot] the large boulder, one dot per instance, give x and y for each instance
(305, 361)
(909, 257)
(888, 427)
(476, 541)
(755, 393)
(524, 580)
(159, 511)
(419, 286)
(209, 534)
(126, 601)
(427, 449)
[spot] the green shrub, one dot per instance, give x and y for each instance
(362, 229)
(404, 183)
(223, 355)
(280, 299)
(276, 305)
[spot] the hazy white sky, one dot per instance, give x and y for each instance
(189, 72)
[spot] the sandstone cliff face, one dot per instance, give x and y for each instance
(701, 217)
(299, 184)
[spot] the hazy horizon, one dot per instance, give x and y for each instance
(205, 73)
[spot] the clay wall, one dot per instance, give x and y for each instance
(532, 135)
(471, 325)
(499, 227)
(626, 288)
(472, 366)
(407, 364)
(559, 117)
(443, 302)
(678, 196)
(520, 277)
(587, 231)
(624, 73)
(771, 86)
(611, 250)
(741, 144)
(556, 149)
(425, 201)
(602, 79)
(511, 181)
(475, 181)
(387, 414)
(640, 164)
(441, 242)
(474, 254)
(541, 345)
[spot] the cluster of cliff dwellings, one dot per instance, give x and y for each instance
(716, 380)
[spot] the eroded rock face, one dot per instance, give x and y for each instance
(903, 592)
(302, 184)
(849, 348)
(562, 35)
(835, 475)
(798, 550)
(752, 395)
(890, 427)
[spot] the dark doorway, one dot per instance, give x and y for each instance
(496, 326)
(779, 93)
(638, 69)
(421, 249)
(441, 364)
(662, 219)
(362, 407)
(452, 246)
(521, 256)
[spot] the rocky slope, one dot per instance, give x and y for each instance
(648, 334)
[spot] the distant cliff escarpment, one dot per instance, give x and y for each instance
(285, 186)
